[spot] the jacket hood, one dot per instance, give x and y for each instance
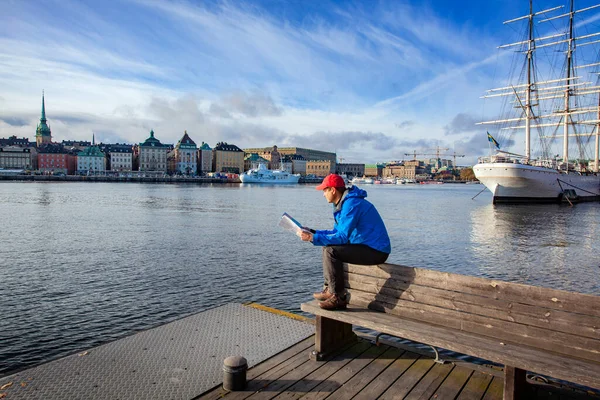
(352, 191)
(355, 191)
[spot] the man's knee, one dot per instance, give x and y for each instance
(329, 252)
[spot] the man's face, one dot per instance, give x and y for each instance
(330, 194)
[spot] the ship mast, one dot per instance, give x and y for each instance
(528, 91)
(568, 90)
(597, 138)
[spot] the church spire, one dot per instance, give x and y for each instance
(43, 118)
(43, 134)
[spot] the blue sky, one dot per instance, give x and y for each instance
(371, 80)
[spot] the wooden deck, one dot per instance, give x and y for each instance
(365, 371)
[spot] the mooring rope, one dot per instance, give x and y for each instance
(482, 190)
(578, 188)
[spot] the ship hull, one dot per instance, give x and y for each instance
(519, 183)
(269, 180)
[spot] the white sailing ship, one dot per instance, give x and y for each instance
(563, 109)
(264, 175)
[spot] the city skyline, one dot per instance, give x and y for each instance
(369, 81)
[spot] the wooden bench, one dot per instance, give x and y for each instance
(526, 328)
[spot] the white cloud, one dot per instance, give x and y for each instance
(234, 72)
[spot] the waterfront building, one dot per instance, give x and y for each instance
(374, 170)
(253, 160)
(401, 171)
(351, 170)
(53, 158)
(43, 135)
(415, 163)
(205, 159)
(185, 156)
(76, 145)
(228, 158)
(15, 141)
(308, 154)
(152, 155)
(320, 168)
(91, 160)
(298, 164)
(438, 163)
(120, 157)
(16, 157)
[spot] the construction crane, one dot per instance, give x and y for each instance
(455, 155)
(436, 154)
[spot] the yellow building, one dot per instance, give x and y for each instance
(320, 168)
(228, 158)
(400, 171)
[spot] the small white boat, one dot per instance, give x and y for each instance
(264, 175)
(360, 181)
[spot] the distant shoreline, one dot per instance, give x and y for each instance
(146, 179)
(136, 179)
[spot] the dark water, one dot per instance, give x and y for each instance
(85, 263)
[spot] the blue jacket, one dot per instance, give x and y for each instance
(356, 222)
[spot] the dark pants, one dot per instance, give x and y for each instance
(334, 258)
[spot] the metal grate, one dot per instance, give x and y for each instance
(179, 360)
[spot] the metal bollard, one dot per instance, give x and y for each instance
(234, 373)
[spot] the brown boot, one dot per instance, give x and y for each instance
(334, 302)
(324, 295)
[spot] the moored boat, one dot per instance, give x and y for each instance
(359, 181)
(564, 105)
(264, 175)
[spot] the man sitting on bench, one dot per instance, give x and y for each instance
(358, 237)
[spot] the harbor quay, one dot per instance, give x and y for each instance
(371, 350)
(139, 179)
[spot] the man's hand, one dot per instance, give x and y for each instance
(306, 236)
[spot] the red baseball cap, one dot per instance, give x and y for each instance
(332, 180)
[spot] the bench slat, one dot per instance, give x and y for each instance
(519, 356)
(562, 321)
(502, 331)
(533, 295)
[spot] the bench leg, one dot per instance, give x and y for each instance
(330, 335)
(514, 383)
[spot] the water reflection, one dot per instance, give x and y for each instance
(536, 244)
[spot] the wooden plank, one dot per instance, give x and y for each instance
(274, 374)
(515, 382)
(270, 363)
(335, 381)
(366, 375)
(586, 373)
(280, 385)
(476, 386)
(558, 342)
(327, 369)
(588, 326)
(545, 297)
(408, 380)
(430, 382)
(382, 382)
(494, 391)
(454, 383)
